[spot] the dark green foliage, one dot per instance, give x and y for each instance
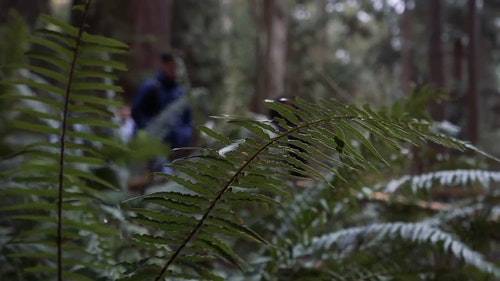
(52, 216)
(322, 231)
(232, 209)
(256, 168)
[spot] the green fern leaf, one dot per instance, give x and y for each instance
(413, 232)
(451, 178)
(58, 49)
(261, 162)
(54, 61)
(103, 63)
(208, 241)
(61, 171)
(103, 41)
(239, 228)
(66, 28)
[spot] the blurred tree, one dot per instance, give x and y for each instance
(29, 9)
(472, 93)
(436, 56)
(455, 104)
(359, 51)
(152, 26)
(197, 35)
(271, 17)
(321, 55)
(407, 75)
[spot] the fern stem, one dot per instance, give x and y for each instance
(63, 145)
(230, 182)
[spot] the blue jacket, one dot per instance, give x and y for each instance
(152, 98)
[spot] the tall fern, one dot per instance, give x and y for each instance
(52, 195)
(196, 224)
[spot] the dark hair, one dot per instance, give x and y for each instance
(166, 57)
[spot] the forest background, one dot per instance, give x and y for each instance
(237, 53)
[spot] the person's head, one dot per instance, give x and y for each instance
(168, 66)
(124, 113)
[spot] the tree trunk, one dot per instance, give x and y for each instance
(152, 25)
(29, 9)
(472, 92)
(322, 48)
(96, 19)
(436, 58)
(272, 22)
(406, 49)
(457, 111)
(425, 157)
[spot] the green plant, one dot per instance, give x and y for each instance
(51, 211)
(62, 224)
(388, 231)
(198, 224)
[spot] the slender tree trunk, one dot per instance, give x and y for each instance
(322, 49)
(227, 26)
(472, 92)
(436, 58)
(272, 22)
(258, 95)
(152, 27)
(406, 56)
(457, 60)
(457, 111)
(424, 157)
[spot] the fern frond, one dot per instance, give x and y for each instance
(62, 105)
(451, 178)
(308, 140)
(364, 237)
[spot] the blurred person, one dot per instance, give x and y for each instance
(161, 109)
(126, 123)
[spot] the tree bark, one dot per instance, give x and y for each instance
(436, 58)
(152, 27)
(322, 48)
(472, 92)
(457, 111)
(272, 22)
(423, 158)
(406, 49)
